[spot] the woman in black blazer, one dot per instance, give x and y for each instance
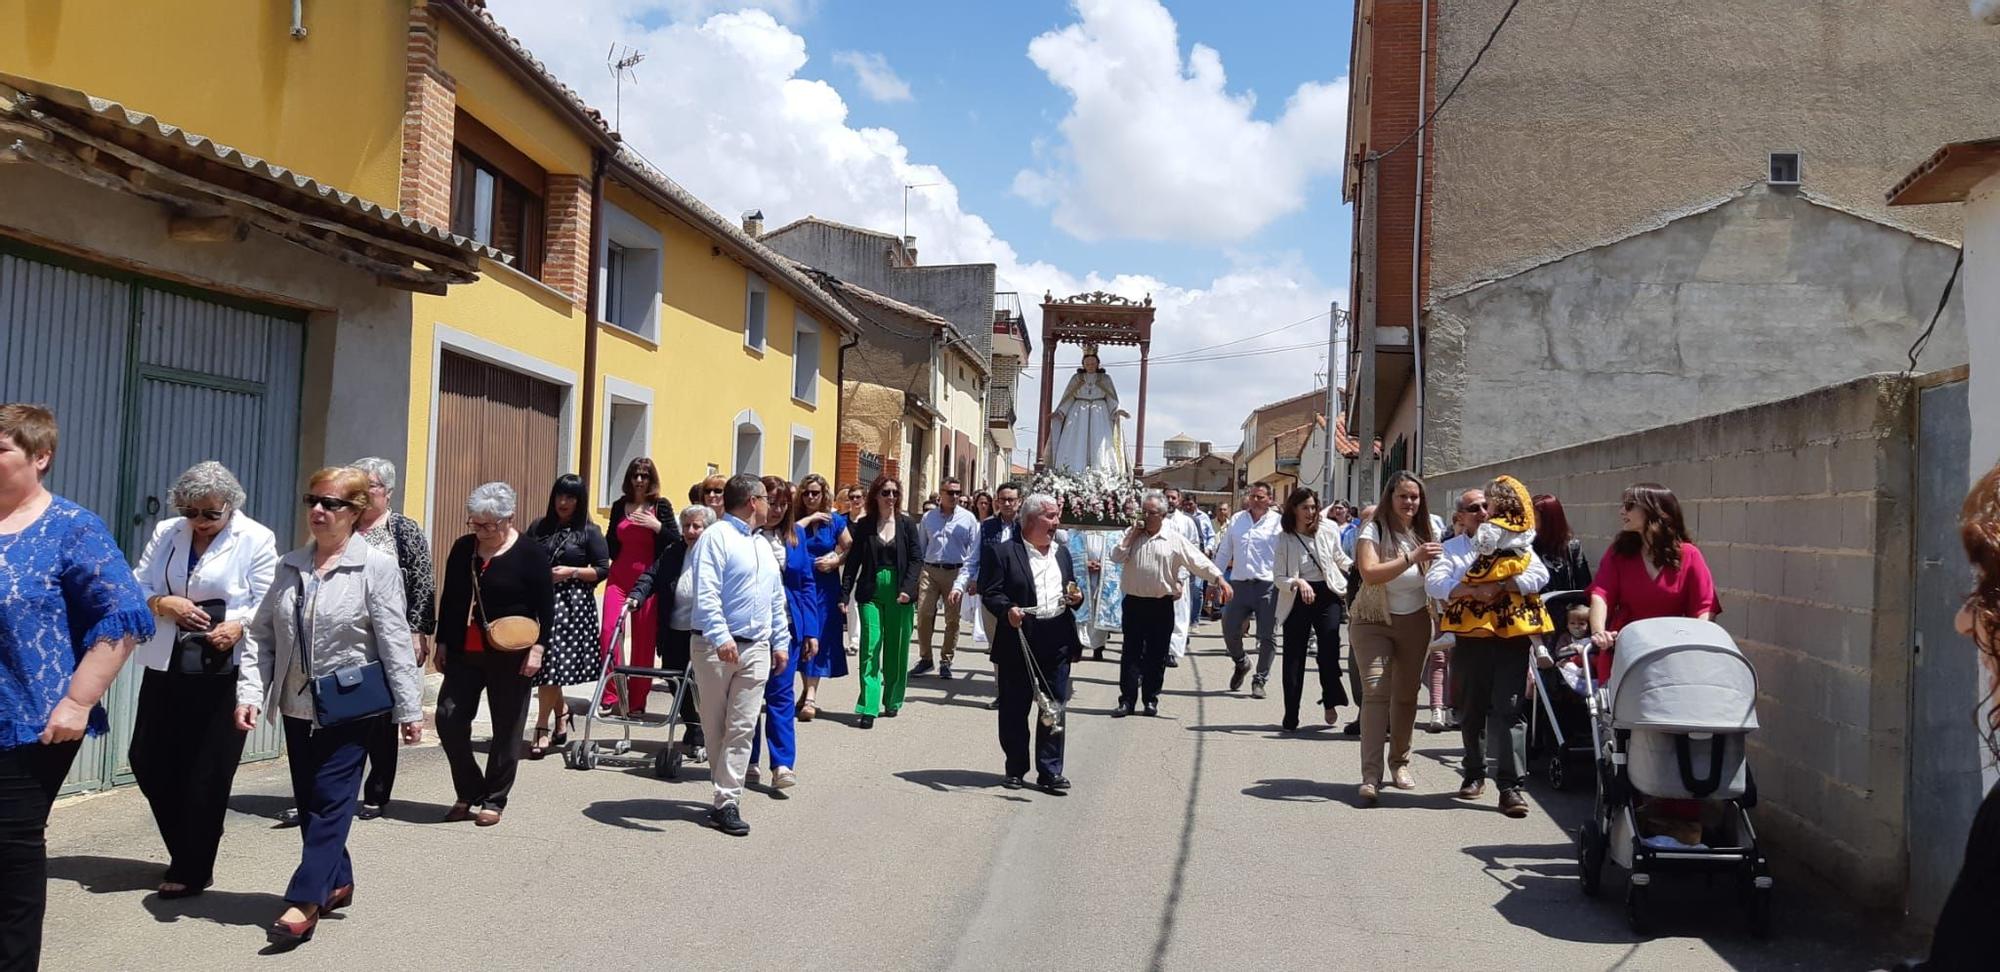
(513, 580)
(881, 572)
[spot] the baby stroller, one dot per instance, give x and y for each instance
(1560, 732)
(1669, 727)
(584, 753)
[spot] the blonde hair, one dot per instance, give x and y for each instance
(32, 427)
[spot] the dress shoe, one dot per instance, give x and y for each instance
(1472, 790)
(1054, 785)
(458, 813)
(1236, 677)
(1257, 689)
(292, 933)
(865, 722)
(1288, 726)
(890, 713)
(368, 811)
(341, 898)
(1152, 708)
(486, 817)
(1402, 779)
(1172, 662)
(1013, 783)
(1333, 715)
(923, 668)
(180, 890)
(1121, 710)
(1369, 793)
(944, 672)
(729, 820)
(287, 818)
(1351, 729)
(1514, 803)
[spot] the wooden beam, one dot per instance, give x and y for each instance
(206, 229)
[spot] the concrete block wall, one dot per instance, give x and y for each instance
(1802, 508)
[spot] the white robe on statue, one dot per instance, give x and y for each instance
(1083, 429)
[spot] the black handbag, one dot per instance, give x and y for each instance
(349, 694)
(193, 654)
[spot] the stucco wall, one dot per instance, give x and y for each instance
(1982, 300)
(1802, 509)
(959, 293)
(1763, 297)
(1586, 119)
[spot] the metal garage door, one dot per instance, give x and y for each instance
(147, 379)
(494, 425)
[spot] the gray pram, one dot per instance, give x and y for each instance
(1669, 725)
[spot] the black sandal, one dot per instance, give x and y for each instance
(541, 746)
(561, 737)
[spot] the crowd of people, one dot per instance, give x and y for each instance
(761, 589)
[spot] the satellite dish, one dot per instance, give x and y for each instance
(1312, 458)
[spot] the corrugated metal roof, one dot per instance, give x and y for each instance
(366, 211)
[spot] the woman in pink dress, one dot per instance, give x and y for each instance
(1651, 571)
(638, 520)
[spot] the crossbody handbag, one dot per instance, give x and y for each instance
(513, 632)
(345, 695)
(192, 653)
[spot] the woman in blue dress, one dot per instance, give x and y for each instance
(813, 566)
(70, 612)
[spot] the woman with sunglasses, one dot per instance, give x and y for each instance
(69, 614)
(642, 521)
(204, 573)
(881, 573)
(812, 584)
(335, 606)
(579, 560)
(1652, 570)
(711, 493)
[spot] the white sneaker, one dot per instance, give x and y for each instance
(783, 778)
(1543, 659)
(1437, 719)
(753, 776)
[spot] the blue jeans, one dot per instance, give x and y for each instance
(1259, 597)
(1199, 588)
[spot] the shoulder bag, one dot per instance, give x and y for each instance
(513, 632)
(348, 694)
(1371, 605)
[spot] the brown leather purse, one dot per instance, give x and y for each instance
(513, 632)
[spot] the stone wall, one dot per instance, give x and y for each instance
(1802, 508)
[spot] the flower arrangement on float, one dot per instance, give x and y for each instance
(1094, 500)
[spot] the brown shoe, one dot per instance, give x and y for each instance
(486, 817)
(458, 813)
(1472, 790)
(1514, 803)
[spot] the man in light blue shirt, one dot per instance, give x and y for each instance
(739, 611)
(950, 536)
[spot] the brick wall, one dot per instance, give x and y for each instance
(430, 98)
(1802, 508)
(566, 266)
(1396, 59)
(847, 465)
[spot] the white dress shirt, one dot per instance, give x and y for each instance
(1047, 571)
(1448, 571)
(1155, 564)
(739, 594)
(1249, 546)
(236, 569)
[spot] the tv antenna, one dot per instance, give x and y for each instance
(621, 59)
(907, 186)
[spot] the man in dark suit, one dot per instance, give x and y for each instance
(1001, 527)
(1029, 584)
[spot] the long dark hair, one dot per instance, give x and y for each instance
(871, 509)
(982, 497)
(1665, 530)
(571, 485)
(1298, 498)
(1385, 511)
(641, 464)
(774, 486)
(1552, 534)
(1979, 530)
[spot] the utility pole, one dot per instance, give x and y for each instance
(1371, 480)
(1332, 397)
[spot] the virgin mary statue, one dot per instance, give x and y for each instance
(1083, 430)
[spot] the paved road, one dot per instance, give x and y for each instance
(1198, 840)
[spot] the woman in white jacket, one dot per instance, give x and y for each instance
(204, 573)
(1312, 572)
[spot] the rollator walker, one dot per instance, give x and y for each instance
(586, 753)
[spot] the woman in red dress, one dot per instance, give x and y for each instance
(1652, 570)
(638, 520)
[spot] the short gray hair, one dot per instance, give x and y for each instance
(701, 513)
(493, 499)
(382, 470)
(1037, 502)
(1156, 497)
(207, 480)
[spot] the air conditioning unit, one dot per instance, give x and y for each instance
(1784, 169)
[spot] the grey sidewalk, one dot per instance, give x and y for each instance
(1201, 839)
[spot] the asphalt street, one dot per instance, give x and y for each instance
(1202, 839)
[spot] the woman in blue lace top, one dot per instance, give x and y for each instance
(70, 612)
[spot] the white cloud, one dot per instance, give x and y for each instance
(786, 11)
(1159, 149)
(878, 80)
(728, 108)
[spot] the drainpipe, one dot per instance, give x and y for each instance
(1417, 238)
(586, 444)
(847, 342)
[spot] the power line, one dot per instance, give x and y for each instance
(1426, 123)
(1224, 344)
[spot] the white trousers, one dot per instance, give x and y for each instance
(1177, 646)
(731, 696)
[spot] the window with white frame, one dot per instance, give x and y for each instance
(627, 429)
(805, 359)
(754, 307)
(749, 456)
(629, 281)
(802, 453)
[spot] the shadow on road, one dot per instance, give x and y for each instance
(635, 814)
(1177, 885)
(107, 875)
(951, 780)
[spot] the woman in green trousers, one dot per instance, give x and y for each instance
(881, 572)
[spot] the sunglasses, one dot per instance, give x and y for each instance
(638, 477)
(711, 492)
(209, 515)
(814, 493)
(1472, 508)
(953, 492)
(331, 504)
(889, 494)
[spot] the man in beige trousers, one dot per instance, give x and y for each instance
(950, 535)
(739, 612)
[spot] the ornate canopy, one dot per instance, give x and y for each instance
(1095, 318)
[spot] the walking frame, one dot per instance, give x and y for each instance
(585, 754)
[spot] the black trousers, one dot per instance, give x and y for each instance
(1049, 639)
(1491, 676)
(1148, 630)
(326, 780)
(498, 676)
(1318, 621)
(383, 743)
(29, 778)
(185, 747)
(675, 646)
